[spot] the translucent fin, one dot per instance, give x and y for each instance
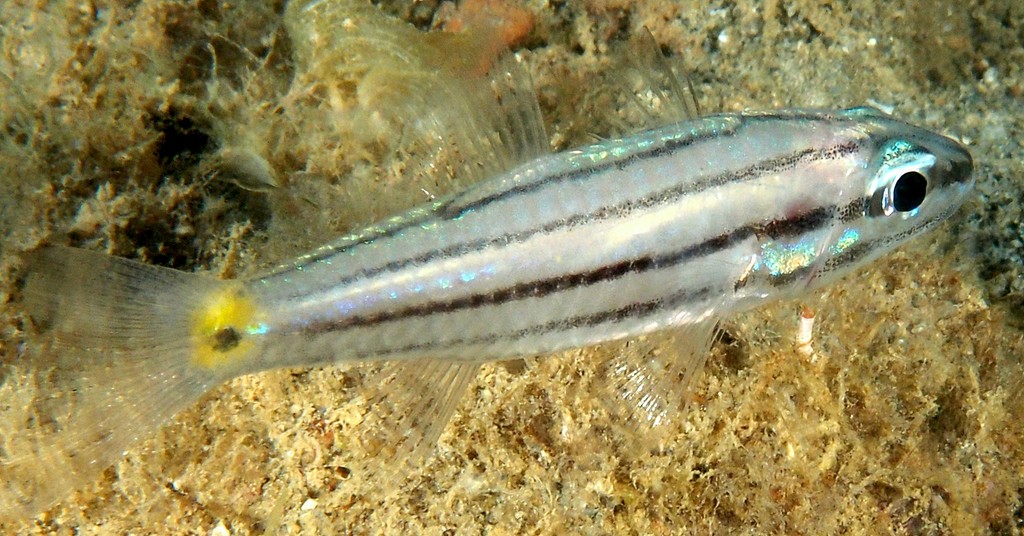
(472, 129)
(652, 92)
(243, 168)
(434, 111)
(648, 383)
(112, 364)
(408, 413)
(459, 132)
(465, 108)
(516, 133)
(669, 87)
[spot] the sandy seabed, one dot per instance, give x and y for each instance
(154, 130)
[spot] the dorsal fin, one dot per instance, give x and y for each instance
(428, 111)
(456, 103)
(671, 86)
(648, 90)
(492, 124)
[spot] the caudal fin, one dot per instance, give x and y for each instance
(122, 347)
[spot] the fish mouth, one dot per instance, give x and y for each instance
(961, 170)
(953, 175)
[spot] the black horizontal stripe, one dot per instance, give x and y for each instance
(831, 116)
(805, 223)
(636, 310)
(620, 210)
(816, 218)
(666, 148)
(860, 251)
(542, 287)
(448, 209)
(850, 256)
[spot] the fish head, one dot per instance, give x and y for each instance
(913, 180)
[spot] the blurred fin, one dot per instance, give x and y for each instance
(670, 87)
(411, 408)
(650, 91)
(648, 383)
(121, 350)
(520, 128)
(474, 128)
(463, 107)
(243, 168)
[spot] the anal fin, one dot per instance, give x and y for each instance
(411, 407)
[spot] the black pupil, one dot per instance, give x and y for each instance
(908, 193)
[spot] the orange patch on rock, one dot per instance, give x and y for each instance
(496, 25)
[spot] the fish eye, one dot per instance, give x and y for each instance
(909, 190)
(903, 194)
(899, 183)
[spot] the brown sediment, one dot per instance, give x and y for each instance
(906, 417)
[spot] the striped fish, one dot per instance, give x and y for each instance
(668, 229)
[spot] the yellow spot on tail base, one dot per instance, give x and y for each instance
(223, 328)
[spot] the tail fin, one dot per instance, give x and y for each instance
(121, 351)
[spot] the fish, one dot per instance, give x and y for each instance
(669, 229)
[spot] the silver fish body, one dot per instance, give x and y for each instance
(669, 228)
(664, 228)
